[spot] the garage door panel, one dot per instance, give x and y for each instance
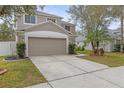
(46, 46)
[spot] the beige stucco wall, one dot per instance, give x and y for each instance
(19, 36)
(45, 27)
(72, 39)
(72, 27)
(19, 23)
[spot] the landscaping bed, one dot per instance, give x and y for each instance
(14, 58)
(21, 73)
(109, 59)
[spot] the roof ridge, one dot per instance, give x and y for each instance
(46, 13)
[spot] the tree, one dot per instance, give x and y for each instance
(121, 18)
(6, 33)
(8, 12)
(94, 20)
(118, 13)
(8, 15)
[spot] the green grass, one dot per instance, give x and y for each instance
(84, 52)
(109, 59)
(20, 74)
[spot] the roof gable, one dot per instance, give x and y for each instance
(47, 26)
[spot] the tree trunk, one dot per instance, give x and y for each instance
(97, 45)
(121, 45)
(93, 47)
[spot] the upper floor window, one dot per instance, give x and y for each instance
(67, 27)
(51, 19)
(30, 19)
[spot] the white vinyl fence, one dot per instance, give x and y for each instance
(7, 48)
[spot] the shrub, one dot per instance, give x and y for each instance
(82, 48)
(117, 48)
(72, 48)
(21, 49)
(78, 48)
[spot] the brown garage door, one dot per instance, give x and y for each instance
(46, 46)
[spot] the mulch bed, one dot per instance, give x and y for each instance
(14, 58)
(2, 71)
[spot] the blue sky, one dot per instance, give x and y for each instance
(60, 10)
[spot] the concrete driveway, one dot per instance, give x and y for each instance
(65, 71)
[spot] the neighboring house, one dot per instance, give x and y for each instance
(79, 40)
(117, 39)
(44, 34)
(117, 36)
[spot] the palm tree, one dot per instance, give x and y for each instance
(94, 20)
(97, 37)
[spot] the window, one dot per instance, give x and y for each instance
(30, 19)
(51, 19)
(67, 27)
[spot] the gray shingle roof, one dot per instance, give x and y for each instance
(47, 14)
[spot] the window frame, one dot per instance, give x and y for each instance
(51, 20)
(30, 23)
(68, 26)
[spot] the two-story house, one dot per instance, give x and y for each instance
(44, 34)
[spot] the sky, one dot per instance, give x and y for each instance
(60, 10)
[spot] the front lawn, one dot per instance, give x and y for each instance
(84, 52)
(109, 59)
(20, 74)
